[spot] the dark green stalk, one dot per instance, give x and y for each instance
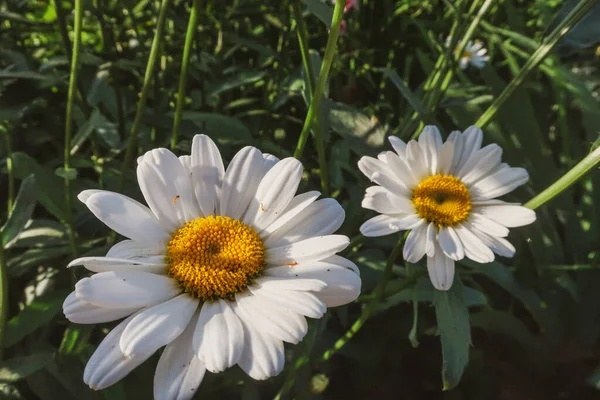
(141, 105)
(338, 13)
(187, 50)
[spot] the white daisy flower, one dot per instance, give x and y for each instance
(444, 193)
(222, 268)
(474, 54)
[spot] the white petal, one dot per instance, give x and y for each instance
(417, 160)
(445, 158)
(131, 250)
(108, 364)
(320, 218)
(480, 164)
(498, 245)
(303, 303)
(244, 173)
(384, 224)
(398, 145)
(471, 138)
(342, 262)
(499, 183)
(312, 249)
(167, 188)
(441, 270)
(274, 193)
(219, 336)
(431, 143)
(381, 173)
(431, 237)
(263, 355)
(179, 372)
(81, 312)
(415, 246)
(271, 319)
(186, 161)
(207, 173)
(157, 326)
(475, 249)
(151, 264)
(126, 217)
(343, 283)
(402, 171)
(269, 161)
(451, 244)
(487, 225)
(126, 289)
(276, 283)
(509, 215)
(297, 204)
(384, 202)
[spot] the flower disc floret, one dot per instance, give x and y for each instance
(215, 257)
(442, 199)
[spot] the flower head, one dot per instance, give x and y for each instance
(444, 193)
(350, 4)
(474, 54)
(221, 268)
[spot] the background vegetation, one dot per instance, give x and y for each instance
(524, 328)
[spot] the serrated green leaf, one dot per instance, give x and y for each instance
(18, 368)
(39, 312)
(21, 212)
(40, 233)
(235, 81)
(452, 318)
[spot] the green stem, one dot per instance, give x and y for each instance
(9, 167)
(580, 10)
(3, 298)
(338, 13)
(302, 33)
(185, 61)
(69, 123)
(141, 105)
(568, 179)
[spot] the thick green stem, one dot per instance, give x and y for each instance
(580, 10)
(302, 33)
(568, 179)
(185, 61)
(338, 13)
(69, 123)
(137, 122)
(3, 298)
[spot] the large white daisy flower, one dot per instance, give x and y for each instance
(222, 268)
(444, 193)
(474, 54)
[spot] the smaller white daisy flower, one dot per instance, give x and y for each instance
(474, 54)
(444, 193)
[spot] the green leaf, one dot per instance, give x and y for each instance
(18, 368)
(50, 188)
(69, 173)
(39, 312)
(221, 126)
(455, 333)
(240, 79)
(365, 135)
(21, 212)
(40, 233)
(321, 10)
(31, 258)
(404, 91)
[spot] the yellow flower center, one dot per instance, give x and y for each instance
(465, 53)
(442, 199)
(215, 257)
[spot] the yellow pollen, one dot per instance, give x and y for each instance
(215, 257)
(442, 199)
(465, 53)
